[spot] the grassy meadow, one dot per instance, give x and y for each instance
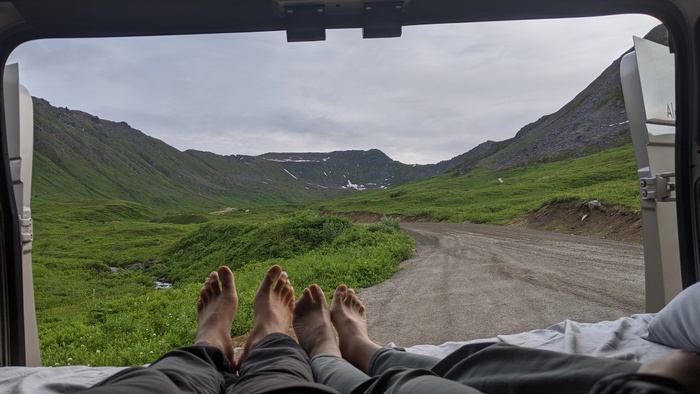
(95, 261)
(95, 264)
(479, 197)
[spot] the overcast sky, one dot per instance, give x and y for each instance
(432, 94)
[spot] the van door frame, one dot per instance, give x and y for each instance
(21, 21)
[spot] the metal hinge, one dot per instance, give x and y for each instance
(26, 230)
(658, 188)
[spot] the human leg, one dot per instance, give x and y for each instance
(348, 317)
(502, 367)
(499, 367)
(315, 334)
(272, 361)
(521, 370)
(312, 324)
(192, 369)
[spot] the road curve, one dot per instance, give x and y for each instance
(471, 281)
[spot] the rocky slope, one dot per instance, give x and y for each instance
(80, 156)
(593, 121)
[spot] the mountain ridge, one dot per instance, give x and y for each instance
(594, 120)
(80, 156)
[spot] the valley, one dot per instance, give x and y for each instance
(116, 210)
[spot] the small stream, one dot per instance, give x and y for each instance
(160, 282)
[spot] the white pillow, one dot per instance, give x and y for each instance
(678, 324)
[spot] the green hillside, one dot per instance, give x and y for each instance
(80, 156)
(479, 197)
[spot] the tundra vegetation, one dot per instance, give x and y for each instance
(96, 261)
(479, 197)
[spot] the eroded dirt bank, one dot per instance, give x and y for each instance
(589, 218)
(586, 218)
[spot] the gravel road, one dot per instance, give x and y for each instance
(473, 281)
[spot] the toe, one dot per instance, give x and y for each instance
(226, 278)
(340, 292)
(213, 277)
(317, 293)
(271, 277)
(206, 292)
(349, 298)
(305, 295)
(303, 302)
(357, 304)
(339, 297)
(282, 281)
(287, 292)
(214, 283)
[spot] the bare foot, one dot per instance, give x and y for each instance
(348, 317)
(216, 309)
(272, 308)
(680, 365)
(312, 323)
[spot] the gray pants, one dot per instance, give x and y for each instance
(277, 364)
(488, 368)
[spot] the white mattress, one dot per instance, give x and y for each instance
(620, 339)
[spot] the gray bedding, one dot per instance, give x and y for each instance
(50, 380)
(620, 339)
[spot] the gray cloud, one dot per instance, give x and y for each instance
(433, 94)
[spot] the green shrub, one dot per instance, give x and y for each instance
(389, 223)
(90, 315)
(185, 219)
